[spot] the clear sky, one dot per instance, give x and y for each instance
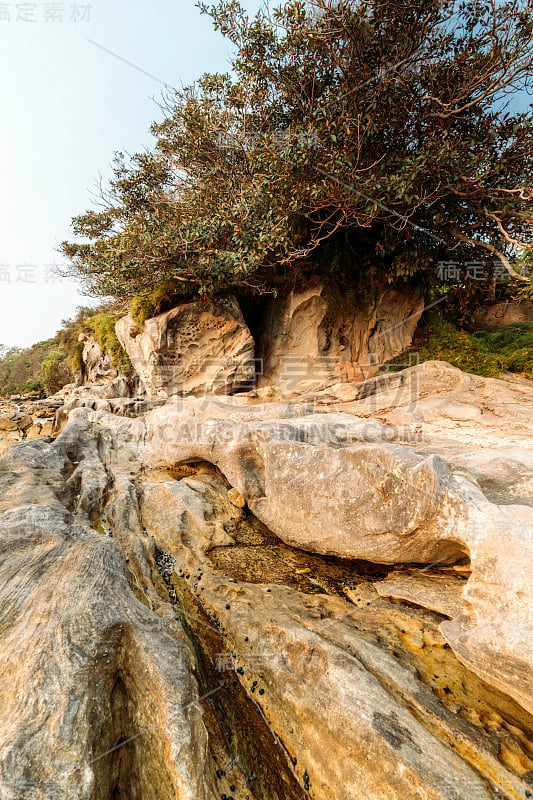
(66, 106)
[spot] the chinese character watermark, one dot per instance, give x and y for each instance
(49, 13)
(460, 273)
(25, 273)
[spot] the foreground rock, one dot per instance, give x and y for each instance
(137, 580)
(194, 348)
(85, 665)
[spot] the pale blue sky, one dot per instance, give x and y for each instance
(66, 106)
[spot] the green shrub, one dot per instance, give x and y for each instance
(76, 360)
(512, 346)
(442, 341)
(21, 370)
(33, 386)
(486, 353)
(103, 327)
(149, 305)
(51, 364)
(55, 371)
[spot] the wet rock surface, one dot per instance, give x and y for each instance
(169, 632)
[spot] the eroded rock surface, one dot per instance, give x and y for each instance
(97, 366)
(134, 585)
(311, 336)
(194, 348)
(500, 314)
(26, 418)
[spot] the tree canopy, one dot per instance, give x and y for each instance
(384, 125)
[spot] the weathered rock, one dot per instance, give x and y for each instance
(332, 483)
(26, 418)
(441, 592)
(332, 690)
(97, 366)
(15, 421)
(86, 665)
(40, 428)
(9, 438)
(236, 498)
(353, 734)
(195, 348)
(500, 314)
(117, 387)
(8, 423)
(34, 432)
(312, 337)
(98, 396)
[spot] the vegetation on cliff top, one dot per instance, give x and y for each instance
(381, 124)
(485, 353)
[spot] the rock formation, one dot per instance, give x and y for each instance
(97, 366)
(26, 418)
(195, 348)
(327, 597)
(313, 336)
(509, 313)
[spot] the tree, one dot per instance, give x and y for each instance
(56, 372)
(377, 126)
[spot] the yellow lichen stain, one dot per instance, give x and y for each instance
(414, 637)
(512, 755)
(166, 472)
(97, 524)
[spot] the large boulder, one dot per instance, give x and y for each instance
(196, 348)
(426, 491)
(311, 336)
